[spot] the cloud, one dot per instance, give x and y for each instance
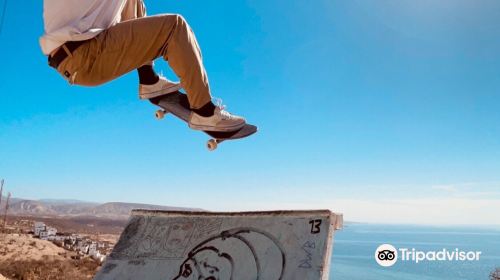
(470, 203)
(432, 211)
(473, 190)
(445, 188)
(423, 211)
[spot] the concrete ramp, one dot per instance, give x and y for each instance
(279, 245)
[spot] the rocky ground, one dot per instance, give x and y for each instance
(24, 257)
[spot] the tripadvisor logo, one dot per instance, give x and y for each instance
(387, 255)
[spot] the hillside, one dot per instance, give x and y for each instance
(27, 258)
(62, 208)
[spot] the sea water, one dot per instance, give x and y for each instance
(355, 245)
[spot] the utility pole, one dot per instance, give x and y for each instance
(1, 191)
(6, 209)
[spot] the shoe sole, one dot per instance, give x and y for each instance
(215, 129)
(164, 91)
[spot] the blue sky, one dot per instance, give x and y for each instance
(386, 111)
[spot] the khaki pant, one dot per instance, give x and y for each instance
(136, 41)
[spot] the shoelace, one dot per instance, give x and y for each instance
(225, 115)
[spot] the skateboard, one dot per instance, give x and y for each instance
(177, 104)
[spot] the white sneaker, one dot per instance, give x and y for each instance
(221, 120)
(162, 87)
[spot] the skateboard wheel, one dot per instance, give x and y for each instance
(160, 114)
(212, 144)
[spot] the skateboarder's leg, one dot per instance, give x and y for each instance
(133, 43)
(133, 9)
(130, 44)
(150, 84)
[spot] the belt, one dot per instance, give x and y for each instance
(61, 54)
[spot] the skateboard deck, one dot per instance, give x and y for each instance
(177, 104)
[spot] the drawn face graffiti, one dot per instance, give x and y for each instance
(236, 254)
(206, 264)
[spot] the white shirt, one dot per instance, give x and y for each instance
(77, 20)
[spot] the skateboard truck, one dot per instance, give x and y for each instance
(160, 114)
(211, 143)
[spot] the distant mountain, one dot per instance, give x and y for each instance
(12, 200)
(72, 208)
(65, 201)
(120, 208)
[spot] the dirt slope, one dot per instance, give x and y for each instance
(27, 258)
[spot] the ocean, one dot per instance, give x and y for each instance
(355, 245)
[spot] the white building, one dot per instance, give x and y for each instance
(41, 230)
(39, 226)
(57, 238)
(43, 235)
(51, 231)
(83, 248)
(93, 249)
